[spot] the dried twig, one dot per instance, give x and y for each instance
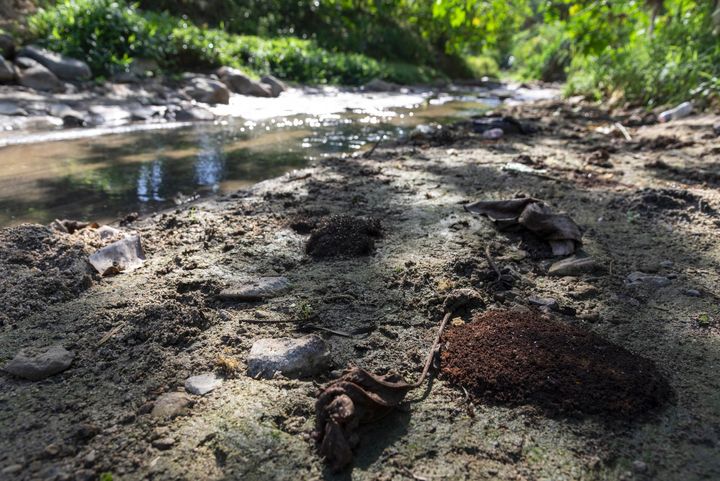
(367, 154)
(623, 131)
(433, 350)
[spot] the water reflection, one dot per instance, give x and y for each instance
(149, 182)
(105, 178)
(210, 163)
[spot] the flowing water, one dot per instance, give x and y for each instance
(104, 174)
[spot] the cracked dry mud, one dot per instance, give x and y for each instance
(163, 323)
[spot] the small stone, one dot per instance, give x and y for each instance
(202, 384)
(257, 290)
(12, 469)
(640, 466)
(170, 405)
(301, 357)
(52, 449)
(573, 266)
(547, 302)
(693, 293)
(666, 264)
(90, 458)
(640, 278)
(36, 364)
(164, 444)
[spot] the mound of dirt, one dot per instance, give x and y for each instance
(39, 267)
(521, 358)
(343, 236)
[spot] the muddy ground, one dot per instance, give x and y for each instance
(649, 204)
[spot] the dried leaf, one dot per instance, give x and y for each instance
(356, 398)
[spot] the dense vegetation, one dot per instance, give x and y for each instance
(644, 51)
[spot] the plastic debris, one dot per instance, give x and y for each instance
(682, 110)
(122, 256)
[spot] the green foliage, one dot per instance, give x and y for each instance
(482, 66)
(541, 52)
(108, 34)
(106, 477)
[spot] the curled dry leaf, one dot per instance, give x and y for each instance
(356, 398)
(559, 230)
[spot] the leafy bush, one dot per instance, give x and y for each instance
(482, 66)
(541, 53)
(108, 34)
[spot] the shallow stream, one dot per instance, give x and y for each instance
(103, 174)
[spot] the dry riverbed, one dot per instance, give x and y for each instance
(649, 204)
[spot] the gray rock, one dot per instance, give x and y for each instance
(202, 384)
(305, 356)
(573, 266)
(70, 116)
(164, 443)
(7, 71)
(7, 46)
(378, 85)
(37, 364)
(640, 278)
(207, 90)
(109, 115)
(12, 469)
(257, 290)
(144, 113)
(122, 256)
(38, 77)
(25, 62)
(639, 466)
(693, 293)
(276, 85)
(242, 84)
(193, 114)
(171, 404)
(63, 67)
(547, 302)
(8, 107)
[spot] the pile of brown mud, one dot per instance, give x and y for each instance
(39, 267)
(522, 358)
(343, 236)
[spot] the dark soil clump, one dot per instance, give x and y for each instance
(343, 236)
(39, 267)
(521, 358)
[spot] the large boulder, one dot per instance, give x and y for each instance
(242, 84)
(7, 45)
(33, 75)
(63, 67)
(276, 85)
(7, 71)
(207, 90)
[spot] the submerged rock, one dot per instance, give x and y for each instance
(301, 357)
(37, 364)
